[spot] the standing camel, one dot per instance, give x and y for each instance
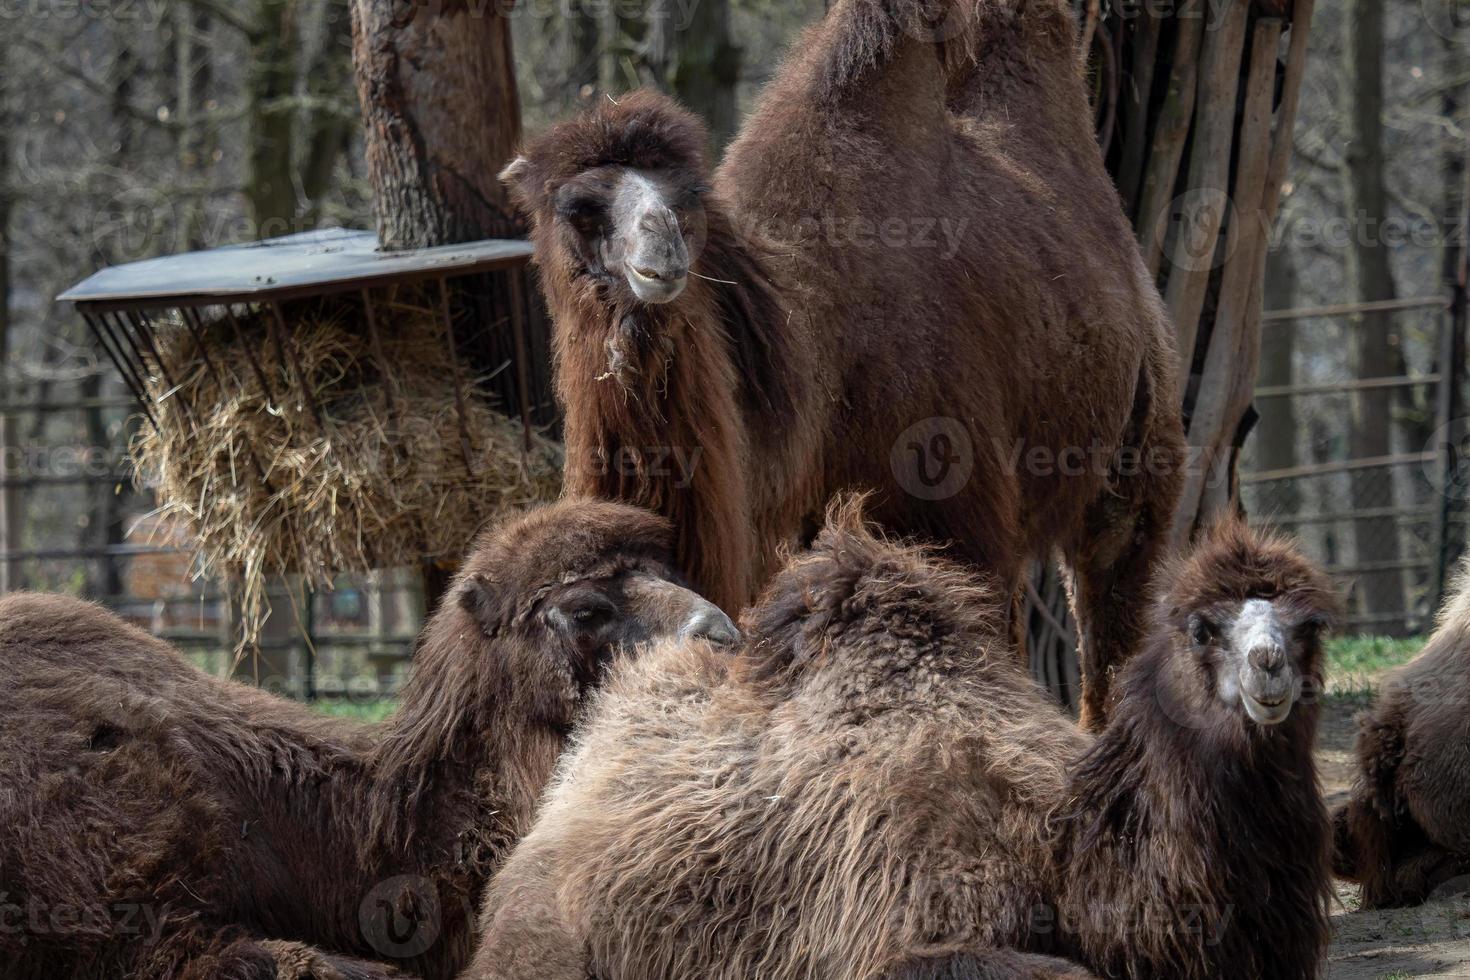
(910, 274)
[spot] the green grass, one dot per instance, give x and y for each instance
(360, 710)
(1355, 664)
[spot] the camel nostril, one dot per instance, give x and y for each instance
(711, 624)
(1268, 658)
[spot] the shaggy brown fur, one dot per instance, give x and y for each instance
(1406, 830)
(161, 823)
(904, 231)
(875, 789)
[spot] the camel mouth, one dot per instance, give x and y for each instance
(655, 287)
(1266, 710)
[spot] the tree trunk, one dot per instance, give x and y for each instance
(327, 135)
(1276, 436)
(624, 26)
(1375, 349)
(271, 84)
(10, 517)
(196, 142)
(438, 93)
(584, 47)
(693, 58)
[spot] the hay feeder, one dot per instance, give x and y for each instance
(315, 406)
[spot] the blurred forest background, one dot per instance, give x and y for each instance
(134, 128)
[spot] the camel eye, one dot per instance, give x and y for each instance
(582, 616)
(592, 615)
(1202, 631)
(584, 211)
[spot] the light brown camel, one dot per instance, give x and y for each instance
(910, 274)
(1406, 830)
(160, 823)
(874, 788)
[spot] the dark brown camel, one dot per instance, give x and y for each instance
(1406, 830)
(160, 823)
(874, 788)
(910, 274)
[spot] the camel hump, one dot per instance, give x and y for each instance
(28, 617)
(866, 36)
(54, 628)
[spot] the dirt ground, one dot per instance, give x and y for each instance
(1430, 941)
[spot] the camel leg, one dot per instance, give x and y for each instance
(297, 961)
(1109, 584)
(992, 964)
(198, 953)
(1415, 877)
(1111, 565)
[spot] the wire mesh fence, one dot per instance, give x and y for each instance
(1375, 528)
(1366, 463)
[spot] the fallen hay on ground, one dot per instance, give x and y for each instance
(388, 477)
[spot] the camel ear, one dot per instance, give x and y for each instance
(515, 171)
(479, 597)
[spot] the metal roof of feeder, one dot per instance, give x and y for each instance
(312, 263)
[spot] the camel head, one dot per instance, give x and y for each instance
(1246, 613)
(566, 590)
(615, 196)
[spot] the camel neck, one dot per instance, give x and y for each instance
(455, 775)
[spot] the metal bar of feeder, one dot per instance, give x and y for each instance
(390, 381)
(265, 386)
(118, 361)
(196, 328)
(141, 327)
(134, 365)
(279, 331)
(464, 428)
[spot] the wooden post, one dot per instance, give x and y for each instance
(10, 503)
(1181, 83)
(1451, 429)
(1447, 415)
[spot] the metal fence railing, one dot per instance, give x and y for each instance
(1390, 527)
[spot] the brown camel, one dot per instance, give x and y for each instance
(910, 274)
(1406, 830)
(874, 788)
(161, 823)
